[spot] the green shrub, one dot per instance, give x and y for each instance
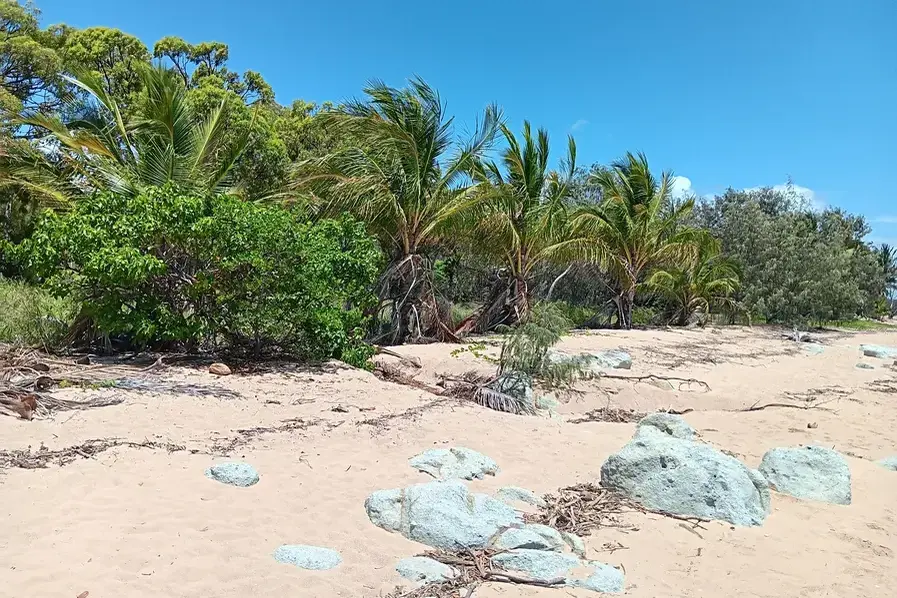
(164, 269)
(31, 316)
(580, 316)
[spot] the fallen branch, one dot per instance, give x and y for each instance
(756, 407)
(670, 379)
(412, 361)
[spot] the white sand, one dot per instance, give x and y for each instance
(132, 523)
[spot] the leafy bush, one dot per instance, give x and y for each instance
(579, 316)
(164, 269)
(31, 316)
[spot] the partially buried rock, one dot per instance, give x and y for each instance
(668, 423)
(308, 557)
(441, 514)
(616, 359)
(809, 472)
(865, 366)
(814, 348)
(235, 474)
(684, 477)
(879, 351)
(219, 369)
(550, 566)
(518, 494)
(532, 535)
(889, 463)
(423, 570)
(457, 463)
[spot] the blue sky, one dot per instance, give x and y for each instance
(724, 93)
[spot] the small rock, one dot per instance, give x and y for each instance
(576, 544)
(538, 564)
(661, 384)
(814, 348)
(879, 351)
(547, 566)
(668, 423)
(547, 402)
(83, 360)
(441, 514)
(889, 463)
(808, 472)
(616, 359)
(865, 366)
(457, 463)
(424, 570)
(812, 425)
(308, 557)
(40, 367)
(532, 535)
(516, 493)
(603, 578)
(219, 369)
(235, 474)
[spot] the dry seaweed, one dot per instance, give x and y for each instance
(610, 415)
(43, 457)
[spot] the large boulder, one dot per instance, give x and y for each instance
(237, 474)
(457, 463)
(549, 566)
(685, 477)
(810, 472)
(424, 570)
(308, 557)
(441, 514)
(879, 351)
(889, 463)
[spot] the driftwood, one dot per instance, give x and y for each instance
(412, 361)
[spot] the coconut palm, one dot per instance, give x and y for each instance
(407, 178)
(635, 228)
(100, 149)
(521, 219)
(698, 285)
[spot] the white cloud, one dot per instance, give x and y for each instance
(681, 186)
(885, 220)
(579, 124)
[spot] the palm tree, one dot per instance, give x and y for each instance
(99, 149)
(521, 219)
(698, 285)
(404, 175)
(635, 228)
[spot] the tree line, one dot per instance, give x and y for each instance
(178, 203)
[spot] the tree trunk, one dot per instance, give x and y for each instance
(556, 281)
(624, 304)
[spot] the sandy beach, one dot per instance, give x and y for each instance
(139, 521)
